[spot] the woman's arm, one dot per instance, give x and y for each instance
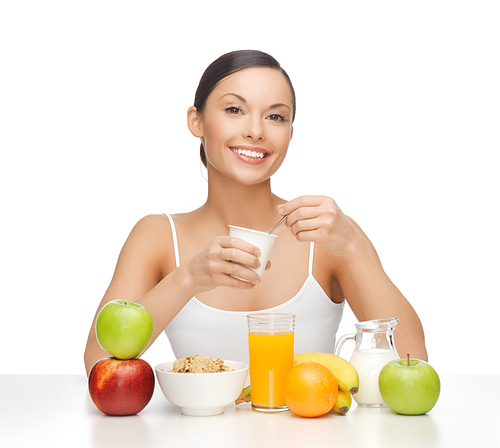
(372, 295)
(137, 277)
(368, 290)
(146, 274)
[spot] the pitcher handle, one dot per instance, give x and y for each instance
(341, 342)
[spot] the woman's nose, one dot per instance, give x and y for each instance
(255, 129)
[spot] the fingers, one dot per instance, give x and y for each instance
(301, 201)
(221, 261)
(246, 277)
(314, 219)
(299, 226)
(303, 212)
(303, 218)
(239, 251)
(238, 258)
(238, 243)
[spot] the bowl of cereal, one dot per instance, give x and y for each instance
(200, 385)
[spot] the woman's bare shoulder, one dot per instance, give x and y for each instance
(152, 228)
(151, 239)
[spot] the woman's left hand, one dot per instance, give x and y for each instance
(318, 219)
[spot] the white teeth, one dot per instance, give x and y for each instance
(248, 153)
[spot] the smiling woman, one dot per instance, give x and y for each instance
(231, 63)
(248, 114)
(199, 283)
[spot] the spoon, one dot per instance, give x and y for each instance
(277, 225)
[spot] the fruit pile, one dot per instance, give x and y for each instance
(122, 384)
(316, 384)
(319, 383)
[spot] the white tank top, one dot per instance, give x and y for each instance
(202, 329)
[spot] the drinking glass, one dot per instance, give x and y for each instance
(270, 342)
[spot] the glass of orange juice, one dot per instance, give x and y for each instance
(270, 343)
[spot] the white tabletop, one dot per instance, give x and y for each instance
(56, 411)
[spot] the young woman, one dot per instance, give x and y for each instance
(179, 266)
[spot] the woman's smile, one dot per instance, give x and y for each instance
(250, 154)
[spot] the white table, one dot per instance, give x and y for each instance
(56, 411)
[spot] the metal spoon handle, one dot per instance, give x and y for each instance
(277, 225)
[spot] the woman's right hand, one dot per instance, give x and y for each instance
(222, 258)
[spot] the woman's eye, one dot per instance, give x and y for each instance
(233, 110)
(276, 117)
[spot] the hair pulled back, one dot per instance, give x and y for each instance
(226, 65)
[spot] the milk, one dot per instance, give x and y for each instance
(368, 364)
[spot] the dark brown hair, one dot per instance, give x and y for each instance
(228, 64)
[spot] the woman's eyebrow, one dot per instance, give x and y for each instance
(244, 101)
(236, 95)
(279, 105)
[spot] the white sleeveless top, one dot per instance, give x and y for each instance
(202, 329)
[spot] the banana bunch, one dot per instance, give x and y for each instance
(245, 396)
(343, 403)
(345, 374)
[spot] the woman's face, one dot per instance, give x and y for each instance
(246, 124)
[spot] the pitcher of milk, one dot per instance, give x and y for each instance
(374, 348)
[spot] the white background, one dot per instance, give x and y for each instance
(398, 120)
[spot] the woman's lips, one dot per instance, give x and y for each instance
(250, 154)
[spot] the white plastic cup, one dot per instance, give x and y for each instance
(262, 240)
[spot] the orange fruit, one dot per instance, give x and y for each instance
(311, 389)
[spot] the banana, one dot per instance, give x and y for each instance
(345, 374)
(343, 403)
(245, 396)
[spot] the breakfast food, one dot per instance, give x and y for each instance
(121, 386)
(200, 364)
(311, 389)
(245, 396)
(345, 374)
(124, 328)
(343, 403)
(409, 386)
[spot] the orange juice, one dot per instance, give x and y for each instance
(271, 357)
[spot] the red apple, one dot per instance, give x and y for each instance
(121, 387)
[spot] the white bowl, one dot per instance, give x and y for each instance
(202, 394)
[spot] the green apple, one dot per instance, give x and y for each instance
(124, 329)
(409, 386)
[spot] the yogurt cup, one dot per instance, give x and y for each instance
(262, 240)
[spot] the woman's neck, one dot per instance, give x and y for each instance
(252, 206)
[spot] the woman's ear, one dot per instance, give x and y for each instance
(194, 122)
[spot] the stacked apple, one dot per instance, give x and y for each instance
(122, 384)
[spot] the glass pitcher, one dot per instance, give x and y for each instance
(374, 348)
